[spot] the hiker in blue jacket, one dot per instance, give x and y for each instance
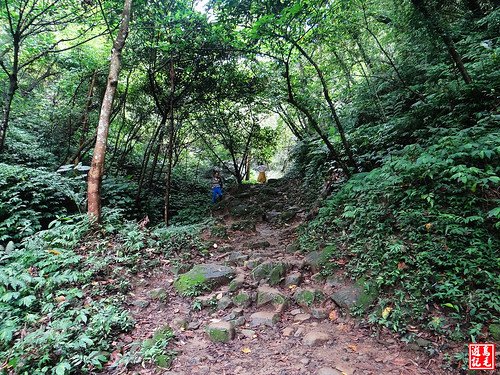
(216, 186)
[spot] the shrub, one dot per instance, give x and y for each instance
(424, 228)
(31, 198)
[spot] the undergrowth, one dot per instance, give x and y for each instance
(423, 230)
(62, 292)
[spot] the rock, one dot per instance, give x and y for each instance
(220, 331)
(347, 297)
(315, 260)
(306, 297)
(193, 326)
(242, 299)
(494, 330)
(238, 322)
(236, 313)
(264, 318)
(203, 277)
(328, 371)
(299, 332)
(294, 278)
(315, 338)
(288, 331)
(319, 313)
(142, 303)
(180, 323)
(236, 258)
(296, 311)
(248, 333)
(270, 271)
(272, 215)
(224, 303)
(333, 282)
(10, 247)
(237, 283)
(266, 294)
(158, 294)
(305, 361)
(288, 215)
(301, 318)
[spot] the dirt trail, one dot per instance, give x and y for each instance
(299, 343)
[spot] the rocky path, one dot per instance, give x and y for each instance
(268, 312)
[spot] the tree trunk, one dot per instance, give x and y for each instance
(171, 132)
(312, 122)
(448, 41)
(328, 99)
(97, 167)
(10, 93)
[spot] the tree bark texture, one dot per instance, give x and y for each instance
(171, 132)
(97, 167)
(445, 36)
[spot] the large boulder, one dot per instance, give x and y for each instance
(203, 277)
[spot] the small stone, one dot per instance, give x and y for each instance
(301, 318)
(305, 361)
(224, 303)
(237, 283)
(288, 331)
(180, 323)
(317, 277)
(266, 294)
(264, 318)
(306, 297)
(236, 313)
(296, 311)
(238, 322)
(328, 371)
(294, 278)
(192, 326)
(221, 331)
(252, 263)
(236, 258)
(319, 313)
(248, 333)
(142, 303)
(315, 338)
(299, 332)
(243, 299)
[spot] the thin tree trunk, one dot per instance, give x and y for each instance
(10, 94)
(328, 99)
(448, 41)
(312, 122)
(171, 132)
(97, 167)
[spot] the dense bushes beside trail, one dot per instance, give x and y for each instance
(31, 198)
(422, 229)
(62, 292)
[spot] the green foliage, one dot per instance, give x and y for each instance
(423, 227)
(50, 322)
(31, 198)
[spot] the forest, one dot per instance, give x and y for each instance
(358, 144)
